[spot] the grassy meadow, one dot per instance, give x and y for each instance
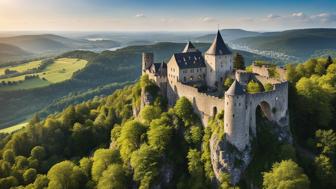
(60, 70)
(13, 128)
(22, 67)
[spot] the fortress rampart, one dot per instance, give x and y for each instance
(204, 105)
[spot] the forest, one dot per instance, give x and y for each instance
(100, 144)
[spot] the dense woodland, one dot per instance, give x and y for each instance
(99, 144)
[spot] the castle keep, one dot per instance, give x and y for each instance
(200, 78)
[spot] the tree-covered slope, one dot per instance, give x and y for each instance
(300, 43)
(100, 144)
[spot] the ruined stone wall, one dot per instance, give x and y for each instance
(261, 70)
(204, 105)
(274, 104)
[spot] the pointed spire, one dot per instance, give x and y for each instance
(235, 89)
(218, 47)
(190, 48)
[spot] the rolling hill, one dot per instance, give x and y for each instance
(299, 43)
(11, 53)
(54, 44)
(228, 35)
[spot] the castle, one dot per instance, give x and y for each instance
(200, 78)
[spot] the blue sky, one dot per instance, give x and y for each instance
(170, 15)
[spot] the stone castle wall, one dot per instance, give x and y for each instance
(204, 105)
(240, 112)
(263, 71)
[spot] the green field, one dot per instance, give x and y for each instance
(13, 128)
(22, 67)
(62, 69)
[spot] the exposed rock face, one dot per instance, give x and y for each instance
(226, 158)
(146, 99)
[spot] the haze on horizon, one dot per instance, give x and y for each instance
(173, 15)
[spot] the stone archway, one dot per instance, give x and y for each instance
(266, 109)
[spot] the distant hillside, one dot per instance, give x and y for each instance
(11, 52)
(139, 42)
(228, 35)
(54, 44)
(300, 43)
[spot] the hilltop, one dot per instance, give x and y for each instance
(49, 44)
(300, 43)
(228, 35)
(11, 53)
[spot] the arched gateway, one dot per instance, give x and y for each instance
(240, 111)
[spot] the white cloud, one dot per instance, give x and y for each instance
(298, 14)
(207, 19)
(273, 16)
(140, 15)
(324, 17)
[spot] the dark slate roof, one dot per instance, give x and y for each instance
(218, 47)
(189, 60)
(190, 48)
(159, 68)
(235, 89)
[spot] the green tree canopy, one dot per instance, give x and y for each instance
(113, 178)
(149, 112)
(286, 174)
(66, 175)
(184, 109)
(253, 87)
(325, 172)
(38, 152)
(29, 175)
(145, 165)
(8, 156)
(268, 87)
(238, 62)
(131, 136)
(102, 158)
(159, 136)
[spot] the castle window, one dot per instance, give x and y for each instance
(232, 115)
(239, 104)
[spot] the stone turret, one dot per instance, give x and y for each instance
(234, 116)
(218, 61)
(147, 61)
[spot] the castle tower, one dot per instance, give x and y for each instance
(237, 133)
(147, 61)
(218, 60)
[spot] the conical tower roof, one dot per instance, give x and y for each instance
(235, 89)
(218, 47)
(190, 48)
